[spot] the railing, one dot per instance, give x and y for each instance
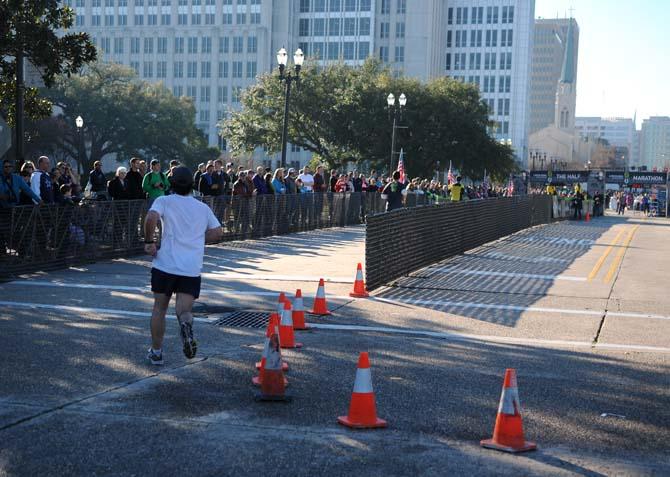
(404, 240)
(36, 238)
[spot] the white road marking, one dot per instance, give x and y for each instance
(81, 309)
(491, 306)
(146, 289)
(277, 277)
(381, 329)
(462, 271)
(491, 339)
(537, 259)
(637, 315)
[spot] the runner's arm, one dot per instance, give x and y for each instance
(213, 235)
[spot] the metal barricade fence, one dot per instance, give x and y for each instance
(404, 240)
(46, 237)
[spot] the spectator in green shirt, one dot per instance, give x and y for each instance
(155, 183)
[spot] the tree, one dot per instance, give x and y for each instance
(339, 113)
(28, 29)
(125, 116)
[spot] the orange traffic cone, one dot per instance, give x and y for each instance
(286, 335)
(257, 380)
(362, 411)
(359, 285)
(268, 331)
(588, 216)
(299, 312)
(280, 303)
(273, 386)
(320, 307)
(508, 431)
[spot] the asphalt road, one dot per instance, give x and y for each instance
(78, 398)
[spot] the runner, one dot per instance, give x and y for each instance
(187, 225)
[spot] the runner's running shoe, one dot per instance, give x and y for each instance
(190, 345)
(155, 358)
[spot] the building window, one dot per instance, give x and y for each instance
(348, 50)
(303, 27)
(161, 69)
(508, 14)
(335, 5)
(364, 26)
(205, 69)
(192, 45)
(490, 61)
(237, 94)
(385, 7)
(182, 19)
(364, 5)
(237, 69)
(179, 45)
(450, 16)
(192, 69)
(178, 69)
(350, 5)
(402, 6)
(177, 91)
(241, 18)
(304, 6)
(118, 46)
(252, 44)
(206, 45)
(319, 5)
(148, 69)
(104, 45)
(350, 27)
(223, 44)
(135, 65)
(223, 69)
(222, 94)
(334, 27)
(254, 18)
(449, 35)
(161, 45)
(251, 69)
(192, 92)
(400, 30)
(333, 50)
(227, 19)
(363, 50)
(238, 44)
(399, 54)
(196, 19)
(148, 46)
(152, 20)
(122, 20)
(204, 95)
(209, 18)
(384, 53)
(134, 45)
(319, 27)
(448, 61)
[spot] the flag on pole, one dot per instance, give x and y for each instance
(510, 186)
(401, 166)
(450, 176)
(485, 184)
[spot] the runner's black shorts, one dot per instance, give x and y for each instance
(167, 283)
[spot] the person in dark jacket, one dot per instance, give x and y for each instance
(117, 188)
(134, 180)
(207, 182)
(98, 180)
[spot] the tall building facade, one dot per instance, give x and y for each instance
(211, 50)
(655, 143)
(489, 43)
(552, 37)
(618, 132)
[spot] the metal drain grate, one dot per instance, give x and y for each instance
(244, 319)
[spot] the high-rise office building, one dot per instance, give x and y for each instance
(618, 132)
(655, 143)
(548, 60)
(211, 50)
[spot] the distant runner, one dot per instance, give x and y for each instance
(187, 225)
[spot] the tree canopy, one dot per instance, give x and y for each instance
(122, 115)
(340, 113)
(29, 28)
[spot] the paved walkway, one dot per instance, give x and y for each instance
(580, 309)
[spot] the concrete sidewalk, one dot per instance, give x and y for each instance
(78, 398)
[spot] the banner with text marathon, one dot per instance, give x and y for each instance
(558, 177)
(630, 177)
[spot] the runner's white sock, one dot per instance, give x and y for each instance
(157, 351)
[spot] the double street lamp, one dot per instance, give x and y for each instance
(288, 78)
(396, 113)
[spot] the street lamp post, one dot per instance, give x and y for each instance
(396, 112)
(288, 78)
(79, 123)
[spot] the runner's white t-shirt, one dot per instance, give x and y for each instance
(307, 181)
(185, 221)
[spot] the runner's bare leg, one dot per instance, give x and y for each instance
(161, 302)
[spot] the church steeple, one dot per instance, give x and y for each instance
(568, 70)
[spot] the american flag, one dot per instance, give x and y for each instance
(510, 186)
(450, 176)
(401, 166)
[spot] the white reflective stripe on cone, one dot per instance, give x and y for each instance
(273, 361)
(286, 318)
(266, 347)
(320, 293)
(359, 275)
(509, 402)
(363, 383)
(297, 304)
(280, 308)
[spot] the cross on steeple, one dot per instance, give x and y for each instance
(571, 10)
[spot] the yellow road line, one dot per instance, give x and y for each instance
(619, 256)
(601, 260)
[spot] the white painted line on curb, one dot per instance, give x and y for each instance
(488, 338)
(277, 277)
(461, 271)
(491, 306)
(102, 311)
(650, 316)
(146, 289)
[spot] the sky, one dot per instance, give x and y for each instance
(624, 55)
